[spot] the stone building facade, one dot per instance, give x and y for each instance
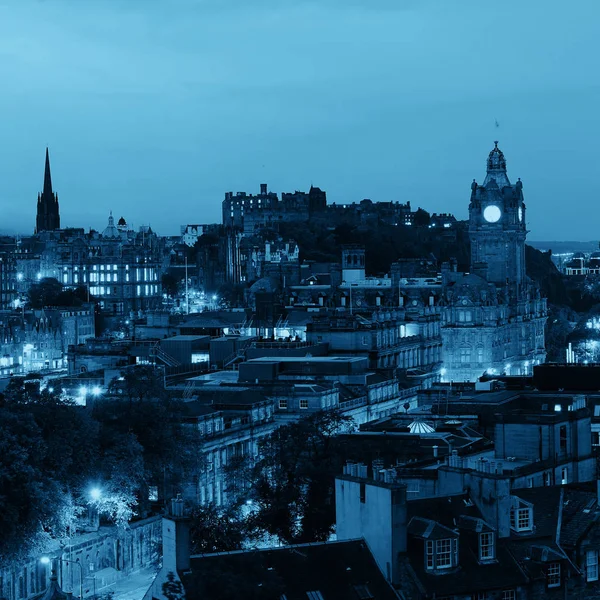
(494, 316)
(120, 267)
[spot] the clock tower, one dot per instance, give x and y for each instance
(497, 226)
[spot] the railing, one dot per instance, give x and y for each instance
(169, 360)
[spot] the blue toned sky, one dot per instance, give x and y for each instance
(155, 108)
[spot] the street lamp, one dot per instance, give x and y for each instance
(45, 560)
(95, 494)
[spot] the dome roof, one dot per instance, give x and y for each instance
(122, 222)
(420, 427)
(111, 231)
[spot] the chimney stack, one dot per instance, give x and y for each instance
(176, 538)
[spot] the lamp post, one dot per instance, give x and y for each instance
(46, 561)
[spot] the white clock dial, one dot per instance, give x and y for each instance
(520, 213)
(492, 213)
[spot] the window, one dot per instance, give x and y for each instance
(363, 592)
(521, 517)
(480, 596)
(509, 595)
(591, 565)
(486, 546)
(430, 558)
(283, 404)
(443, 551)
(563, 438)
(363, 492)
(553, 575)
(564, 476)
(303, 403)
(479, 355)
(465, 355)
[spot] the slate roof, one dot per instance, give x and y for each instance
(459, 516)
(338, 570)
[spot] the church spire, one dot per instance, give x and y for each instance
(48, 216)
(47, 178)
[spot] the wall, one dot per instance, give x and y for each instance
(106, 555)
(380, 519)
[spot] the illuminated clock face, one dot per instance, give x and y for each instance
(492, 213)
(520, 213)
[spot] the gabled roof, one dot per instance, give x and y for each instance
(338, 571)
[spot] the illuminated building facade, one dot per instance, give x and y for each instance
(494, 316)
(120, 267)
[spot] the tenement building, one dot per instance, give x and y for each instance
(494, 316)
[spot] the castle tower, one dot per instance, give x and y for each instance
(48, 217)
(497, 226)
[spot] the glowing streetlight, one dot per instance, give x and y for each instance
(19, 276)
(39, 276)
(95, 494)
(45, 560)
(96, 391)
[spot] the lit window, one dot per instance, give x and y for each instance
(553, 575)
(521, 517)
(564, 476)
(557, 407)
(153, 493)
(509, 595)
(486, 546)
(465, 355)
(303, 403)
(591, 565)
(283, 403)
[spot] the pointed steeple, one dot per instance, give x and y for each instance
(48, 216)
(47, 178)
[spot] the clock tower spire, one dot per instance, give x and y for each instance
(497, 226)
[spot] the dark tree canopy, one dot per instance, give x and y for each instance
(49, 292)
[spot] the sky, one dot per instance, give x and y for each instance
(155, 108)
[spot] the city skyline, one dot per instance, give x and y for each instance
(380, 105)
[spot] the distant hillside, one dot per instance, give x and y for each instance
(563, 247)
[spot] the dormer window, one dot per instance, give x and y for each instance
(553, 575)
(487, 549)
(442, 554)
(521, 515)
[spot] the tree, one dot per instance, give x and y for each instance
(49, 292)
(170, 285)
(172, 589)
(216, 530)
(294, 481)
